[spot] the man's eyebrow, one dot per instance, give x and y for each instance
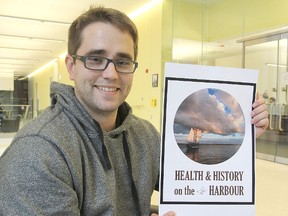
(124, 55)
(96, 52)
(104, 52)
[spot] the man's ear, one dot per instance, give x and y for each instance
(69, 61)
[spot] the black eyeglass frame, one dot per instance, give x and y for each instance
(83, 59)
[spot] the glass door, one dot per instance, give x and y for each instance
(268, 54)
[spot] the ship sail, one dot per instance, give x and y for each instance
(190, 137)
(194, 135)
(197, 135)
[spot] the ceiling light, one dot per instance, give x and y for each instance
(16, 68)
(41, 68)
(36, 20)
(144, 8)
(25, 49)
(19, 59)
(11, 64)
(32, 38)
(63, 55)
(276, 65)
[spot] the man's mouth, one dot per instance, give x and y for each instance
(107, 89)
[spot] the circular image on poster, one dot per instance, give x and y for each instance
(209, 126)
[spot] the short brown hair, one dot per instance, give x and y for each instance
(101, 14)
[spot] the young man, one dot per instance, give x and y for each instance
(87, 154)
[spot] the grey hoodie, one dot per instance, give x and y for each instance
(61, 163)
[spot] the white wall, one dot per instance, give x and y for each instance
(6, 81)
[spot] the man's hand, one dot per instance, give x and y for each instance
(259, 116)
(170, 213)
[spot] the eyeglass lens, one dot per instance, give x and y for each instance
(100, 63)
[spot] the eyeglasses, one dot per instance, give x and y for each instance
(100, 63)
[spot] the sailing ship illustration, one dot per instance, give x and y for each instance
(194, 137)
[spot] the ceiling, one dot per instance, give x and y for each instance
(40, 35)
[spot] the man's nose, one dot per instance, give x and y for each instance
(110, 72)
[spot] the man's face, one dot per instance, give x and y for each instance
(102, 91)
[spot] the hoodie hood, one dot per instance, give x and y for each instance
(64, 96)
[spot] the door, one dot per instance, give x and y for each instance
(268, 54)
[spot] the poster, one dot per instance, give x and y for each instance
(208, 142)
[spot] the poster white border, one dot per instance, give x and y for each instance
(180, 81)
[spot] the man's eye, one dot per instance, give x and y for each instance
(124, 62)
(96, 60)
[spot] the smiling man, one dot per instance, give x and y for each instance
(104, 77)
(87, 154)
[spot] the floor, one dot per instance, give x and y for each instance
(271, 184)
(271, 188)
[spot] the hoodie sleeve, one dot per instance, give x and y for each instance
(35, 180)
